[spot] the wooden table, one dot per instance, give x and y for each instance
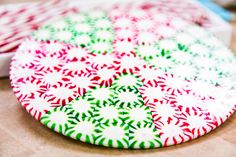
(22, 135)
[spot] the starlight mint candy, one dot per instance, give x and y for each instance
(125, 80)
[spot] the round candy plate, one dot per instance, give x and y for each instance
(125, 80)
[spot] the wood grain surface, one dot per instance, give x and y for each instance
(23, 136)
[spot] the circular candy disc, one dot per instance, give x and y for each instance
(125, 80)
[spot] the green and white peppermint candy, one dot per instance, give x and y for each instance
(94, 96)
(64, 35)
(183, 72)
(108, 113)
(58, 119)
(43, 34)
(58, 25)
(212, 76)
(103, 23)
(182, 55)
(84, 129)
(147, 52)
(167, 45)
(98, 47)
(127, 80)
(83, 28)
(113, 135)
(144, 136)
(126, 97)
(199, 49)
(81, 107)
(223, 55)
(137, 115)
(103, 35)
(163, 61)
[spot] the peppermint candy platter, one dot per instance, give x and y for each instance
(125, 78)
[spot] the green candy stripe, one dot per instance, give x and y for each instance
(94, 96)
(162, 62)
(110, 133)
(103, 36)
(137, 115)
(113, 135)
(147, 52)
(58, 119)
(107, 113)
(85, 129)
(43, 34)
(182, 55)
(127, 81)
(99, 47)
(81, 107)
(144, 136)
(212, 76)
(127, 97)
(81, 39)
